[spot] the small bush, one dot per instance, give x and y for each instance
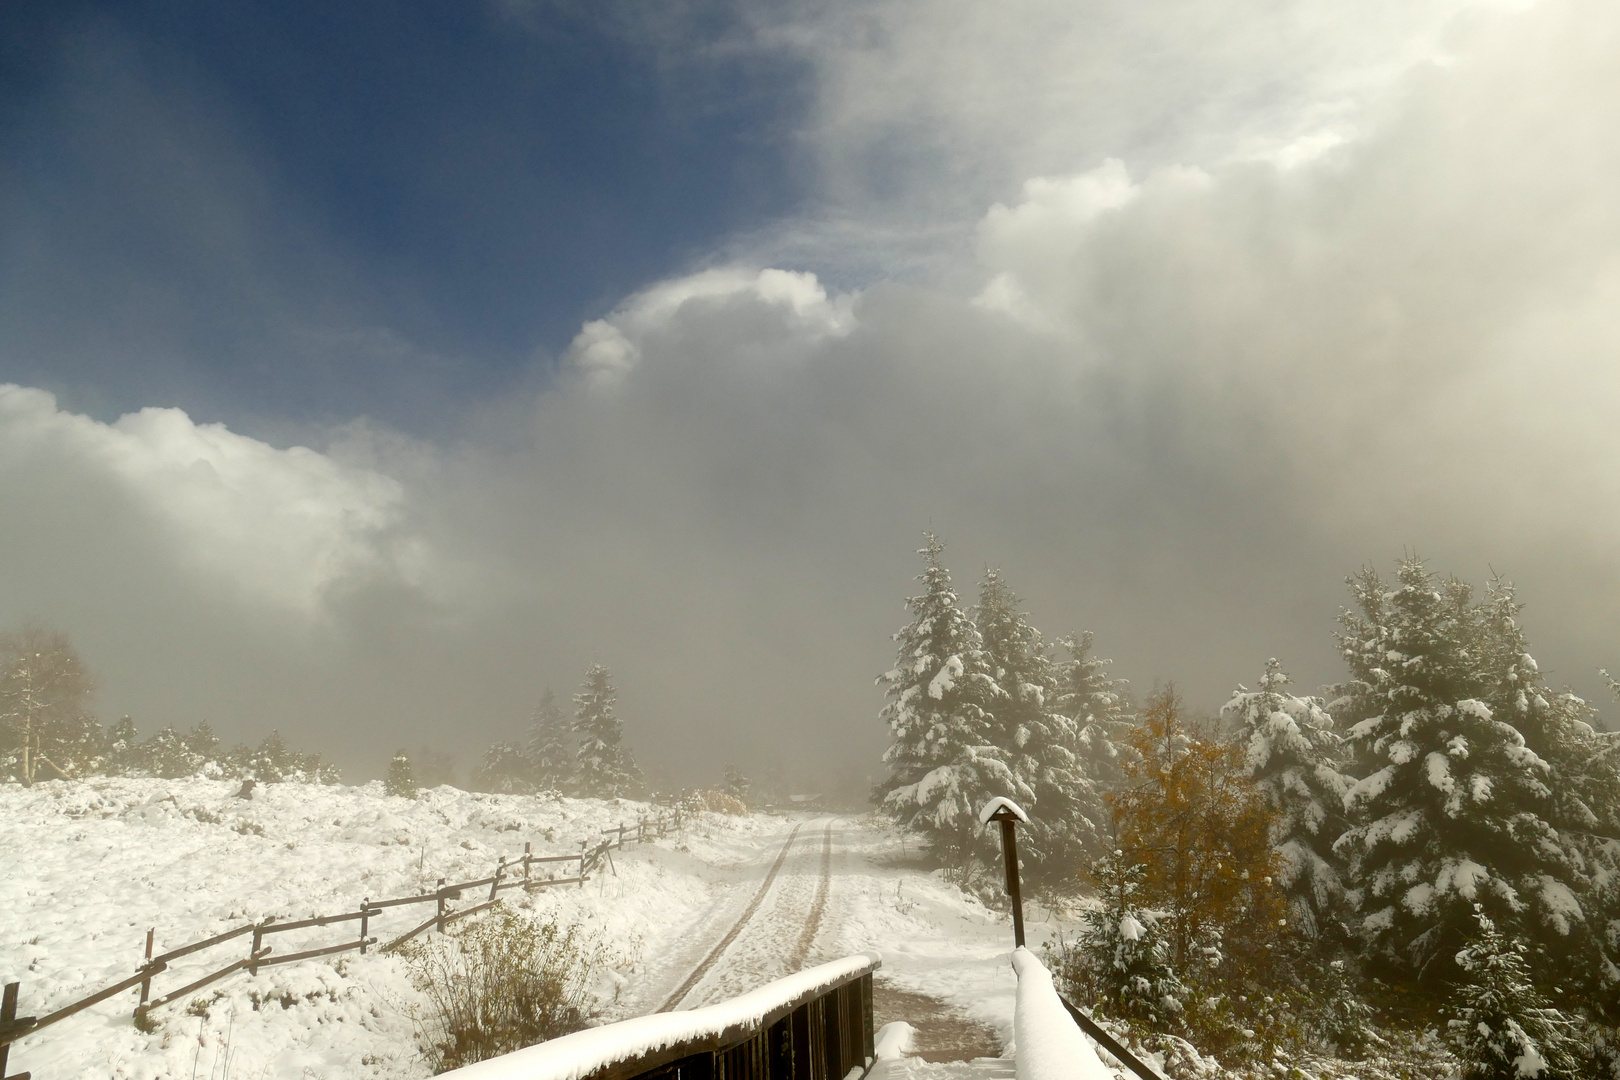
(503, 982)
(717, 801)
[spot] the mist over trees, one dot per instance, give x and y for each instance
(583, 755)
(1441, 820)
(47, 730)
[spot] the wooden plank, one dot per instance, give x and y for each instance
(214, 976)
(99, 996)
(310, 954)
(205, 943)
(320, 920)
(403, 938)
(403, 900)
(1102, 1038)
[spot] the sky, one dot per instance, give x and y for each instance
(363, 372)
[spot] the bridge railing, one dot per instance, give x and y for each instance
(816, 1025)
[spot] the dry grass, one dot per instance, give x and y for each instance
(503, 982)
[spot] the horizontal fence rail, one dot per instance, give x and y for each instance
(816, 1025)
(510, 873)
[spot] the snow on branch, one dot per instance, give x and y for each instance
(595, 1050)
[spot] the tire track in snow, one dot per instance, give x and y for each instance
(731, 935)
(801, 950)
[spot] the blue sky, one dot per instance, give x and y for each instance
(203, 198)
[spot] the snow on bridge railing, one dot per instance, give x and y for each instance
(816, 1025)
(1050, 1045)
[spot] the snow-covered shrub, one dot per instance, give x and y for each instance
(1342, 1017)
(1504, 1029)
(501, 982)
(401, 779)
(717, 802)
(1120, 960)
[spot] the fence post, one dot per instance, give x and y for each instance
(528, 855)
(146, 983)
(495, 886)
(440, 925)
(365, 918)
(8, 1016)
(253, 949)
(1008, 812)
(582, 845)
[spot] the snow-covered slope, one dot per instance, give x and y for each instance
(90, 866)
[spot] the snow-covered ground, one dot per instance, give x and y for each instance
(89, 866)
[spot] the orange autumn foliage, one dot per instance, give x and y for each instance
(1187, 812)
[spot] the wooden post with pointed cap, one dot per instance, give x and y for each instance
(1009, 813)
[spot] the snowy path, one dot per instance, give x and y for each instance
(775, 933)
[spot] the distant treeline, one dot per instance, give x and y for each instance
(48, 732)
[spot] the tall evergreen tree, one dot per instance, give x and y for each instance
(1584, 805)
(1450, 806)
(606, 768)
(1099, 719)
(1290, 753)
(1037, 741)
(551, 746)
(1099, 707)
(505, 769)
(943, 762)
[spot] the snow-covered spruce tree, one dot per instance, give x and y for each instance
(551, 746)
(737, 785)
(1504, 1029)
(401, 779)
(505, 769)
(204, 745)
(1450, 807)
(1036, 741)
(943, 763)
(122, 749)
(1290, 754)
(167, 754)
(1099, 714)
(606, 769)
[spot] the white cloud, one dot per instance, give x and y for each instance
(607, 349)
(279, 528)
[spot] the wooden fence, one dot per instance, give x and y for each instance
(515, 872)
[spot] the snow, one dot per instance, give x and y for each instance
(1050, 1045)
(1559, 905)
(105, 859)
(1002, 803)
(893, 1040)
(584, 1052)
